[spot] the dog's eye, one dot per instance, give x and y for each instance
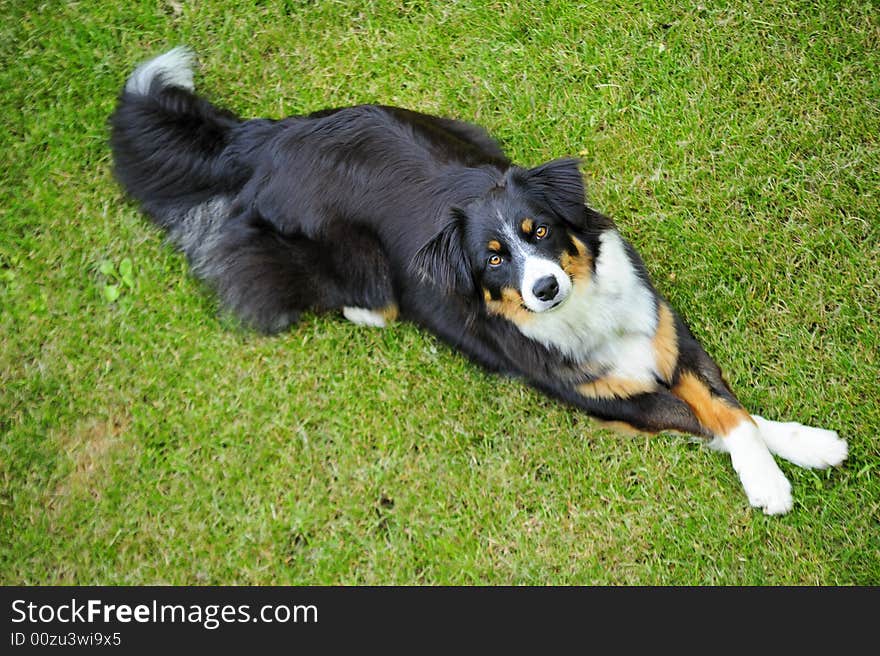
(495, 260)
(541, 231)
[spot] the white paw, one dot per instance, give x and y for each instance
(765, 485)
(364, 317)
(804, 446)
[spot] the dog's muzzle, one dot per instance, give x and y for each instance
(544, 284)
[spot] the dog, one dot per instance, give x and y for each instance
(386, 213)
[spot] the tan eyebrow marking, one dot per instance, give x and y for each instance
(494, 245)
(527, 226)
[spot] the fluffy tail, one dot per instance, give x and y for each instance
(170, 147)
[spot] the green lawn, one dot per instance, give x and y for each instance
(150, 440)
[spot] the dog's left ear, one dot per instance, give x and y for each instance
(443, 260)
(557, 184)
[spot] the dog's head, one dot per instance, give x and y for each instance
(517, 246)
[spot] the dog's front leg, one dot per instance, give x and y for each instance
(734, 432)
(751, 441)
(695, 411)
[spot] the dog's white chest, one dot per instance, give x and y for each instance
(607, 323)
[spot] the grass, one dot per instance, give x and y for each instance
(149, 440)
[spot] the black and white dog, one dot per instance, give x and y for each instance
(383, 212)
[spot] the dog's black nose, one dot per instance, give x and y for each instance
(546, 288)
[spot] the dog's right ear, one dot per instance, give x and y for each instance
(443, 261)
(559, 185)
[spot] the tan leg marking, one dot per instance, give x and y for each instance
(623, 427)
(389, 312)
(615, 387)
(712, 412)
(665, 343)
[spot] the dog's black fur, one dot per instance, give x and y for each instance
(332, 209)
(384, 208)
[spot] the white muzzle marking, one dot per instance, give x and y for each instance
(535, 268)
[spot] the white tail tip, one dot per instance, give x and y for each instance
(174, 68)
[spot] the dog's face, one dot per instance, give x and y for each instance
(517, 252)
(517, 246)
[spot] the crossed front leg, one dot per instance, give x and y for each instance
(697, 401)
